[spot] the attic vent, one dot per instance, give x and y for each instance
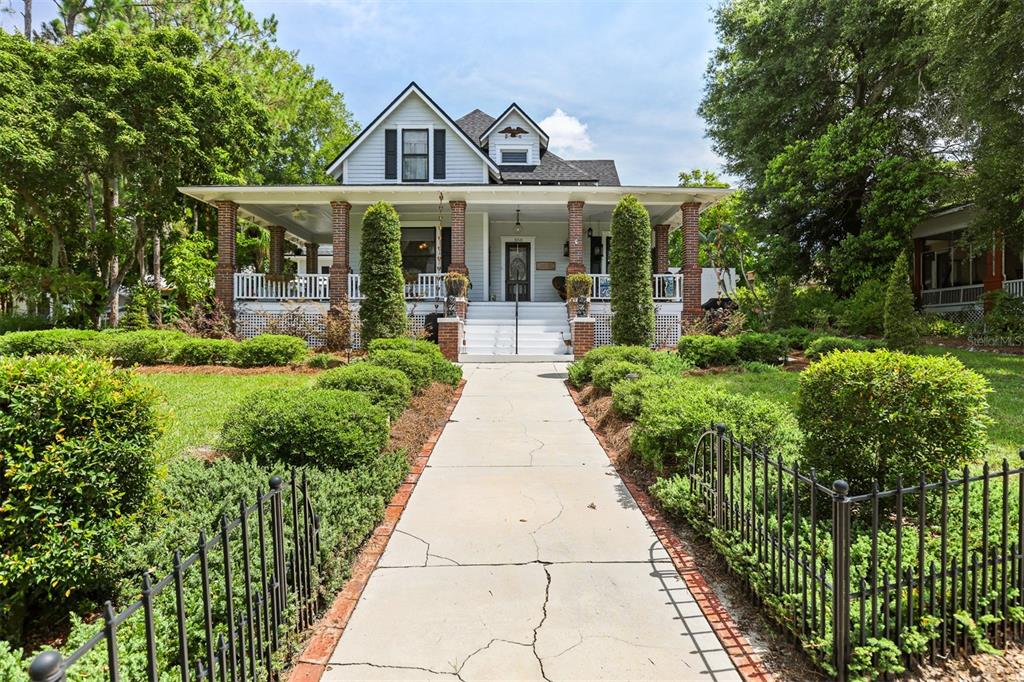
(514, 155)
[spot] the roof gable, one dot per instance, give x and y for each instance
(412, 90)
(501, 117)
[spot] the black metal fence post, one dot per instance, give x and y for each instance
(841, 577)
(720, 476)
(47, 667)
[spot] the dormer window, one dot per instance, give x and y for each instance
(414, 156)
(515, 156)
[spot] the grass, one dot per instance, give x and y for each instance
(1006, 403)
(195, 404)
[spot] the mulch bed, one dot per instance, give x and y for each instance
(965, 344)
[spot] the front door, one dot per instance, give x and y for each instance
(517, 271)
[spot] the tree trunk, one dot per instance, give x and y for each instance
(28, 19)
(113, 315)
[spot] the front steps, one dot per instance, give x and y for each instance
(490, 333)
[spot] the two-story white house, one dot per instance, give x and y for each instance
(482, 195)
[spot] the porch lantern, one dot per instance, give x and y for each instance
(590, 233)
(565, 249)
(519, 227)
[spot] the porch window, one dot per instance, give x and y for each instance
(414, 155)
(419, 251)
(1014, 259)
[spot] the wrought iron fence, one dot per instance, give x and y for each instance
(865, 581)
(239, 622)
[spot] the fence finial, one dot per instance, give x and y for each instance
(276, 482)
(721, 428)
(841, 487)
(46, 667)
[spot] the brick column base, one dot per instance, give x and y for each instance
(449, 337)
(582, 336)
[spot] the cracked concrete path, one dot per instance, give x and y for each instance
(522, 556)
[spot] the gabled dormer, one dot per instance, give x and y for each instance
(514, 139)
(413, 141)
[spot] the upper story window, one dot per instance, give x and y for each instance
(514, 156)
(415, 167)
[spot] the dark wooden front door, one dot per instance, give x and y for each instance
(517, 270)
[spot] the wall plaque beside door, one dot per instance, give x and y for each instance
(545, 265)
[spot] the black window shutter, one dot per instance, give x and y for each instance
(439, 162)
(390, 154)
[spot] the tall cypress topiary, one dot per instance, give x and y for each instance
(902, 331)
(783, 305)
(382, 313)
(630, 269)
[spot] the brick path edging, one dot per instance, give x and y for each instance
(746, 660)
(312, 662)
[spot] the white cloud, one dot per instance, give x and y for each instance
(567, 133)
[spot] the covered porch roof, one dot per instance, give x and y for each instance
(305, 212)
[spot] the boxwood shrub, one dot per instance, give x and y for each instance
(798, 338)
(76, 438)
(703, 350)
(387, 388)
(440, 368)
(47, 341)
(297, 427)
(760, 347)
(18, 322)
(823, 345)
(270, 350)
(882, 415)
(414, 365)
(144, 347)
(609, 373)
(628, 396)
(581, 371)
(206, 352)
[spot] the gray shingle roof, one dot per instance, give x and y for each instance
(475, 123)
(603, 170)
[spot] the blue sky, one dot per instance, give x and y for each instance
(631, 73)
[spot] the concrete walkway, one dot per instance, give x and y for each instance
(521, 555)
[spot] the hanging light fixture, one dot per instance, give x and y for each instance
(519, 227)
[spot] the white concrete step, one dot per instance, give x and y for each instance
(472, 357)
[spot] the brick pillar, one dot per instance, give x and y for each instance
(691, 262)
(224, 277)
(993, 280)
(312, 258)
(582, 336)
(338, 279)
(458, 262)
(660, 249)
(276, 249)
(575, 238)
(461, 308)
(915, 278)
(449, 337)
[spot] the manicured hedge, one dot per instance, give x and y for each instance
(757, 347)
(703, 350)
(382, 313)
(270, 350)
(144, 347)
(823, 345)
(440, 368)
(76, 464)
(387, 388)
(609, 373)
(881, 415)
(628, 396)
(298, 427)
(630, 269)
(16, 322)
(581, 371)
(47, 341)
(206, 352)
(798, 338)
(414, 365)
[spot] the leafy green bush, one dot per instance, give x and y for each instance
(17, 322)
(65, 341)
(382, 313)
(798, 338)
(321, 361)
(297, 427)
(815, 306)
(441, 369)
(882, 415)
(269, 350)
(934, 325)
(759, 347)
(76, 438)
(703, 350)
(11, 666)
(581, 371)
(671, 422)
(608, 374)
(630, 270)
(414, 365)
(902, 327)
(1004, 318)
(144, 347)
(864, 312)
(578, 284)
(783, 305)
(628, 396)
(387, 388)
(670, 363)
(206, 352)
(823, 345)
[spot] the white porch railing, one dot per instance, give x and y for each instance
(355, 291)
(428, 285)
(667, 287)
(952, 295)
(254, 286)
(1014, 287)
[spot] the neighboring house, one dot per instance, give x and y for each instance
(950, 278)
(481, 195)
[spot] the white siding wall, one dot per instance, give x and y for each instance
(496, 140)
(475, 254)
(548, 245)
(366, 163)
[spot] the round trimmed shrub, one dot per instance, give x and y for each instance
(760, 347)
(609, 373)
(581, 371)
(387, 388)
(300, 426)
(702, 350)
(65, 341)
(206, 352)
(76, 438)
(144, 347)
(824, 345)
(382, 313)
(884, 415)
(414, 365)
(268, 350)
(630, 269)
(441, 369)
(628, 396)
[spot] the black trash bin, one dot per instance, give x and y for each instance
(430, 326)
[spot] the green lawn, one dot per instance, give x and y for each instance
(1004, 372)
(195, 404)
